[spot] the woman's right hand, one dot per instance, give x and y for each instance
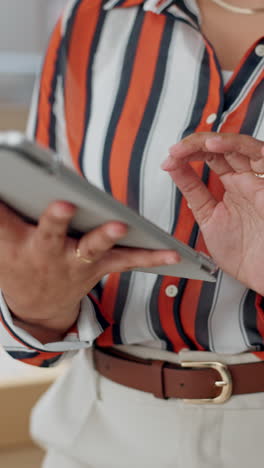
(42, 279)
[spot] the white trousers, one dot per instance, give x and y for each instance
(85, 420)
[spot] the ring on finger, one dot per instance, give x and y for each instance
(80, 257)
(259, 174)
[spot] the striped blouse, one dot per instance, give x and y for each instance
(122, 81)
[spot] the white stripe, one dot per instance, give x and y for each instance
(106, 79)
(259, 130)
(62, 146)
(225, 334)
(177, 13)
(88, 326)
(32, 119)
(110, 4)
(157, 191)
(68, 9)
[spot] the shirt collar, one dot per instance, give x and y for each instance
(185, 9)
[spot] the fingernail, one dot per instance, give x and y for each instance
(116, 231)
(181, 144)
(167, 164)
(214, 139)
(173, 259)
(63, 209)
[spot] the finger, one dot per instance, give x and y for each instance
(94, 245)
(50, 235)
(239, 149)
(12, 227)
(218, 164)
(228, 163)
(125, 259)
(200, 200)
(197, 146)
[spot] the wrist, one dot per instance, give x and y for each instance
(46, 330)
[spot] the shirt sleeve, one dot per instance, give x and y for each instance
(20, 345)
(46, 125)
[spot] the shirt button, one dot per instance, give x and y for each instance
(259, 50)
(211, 118)
(171, 290)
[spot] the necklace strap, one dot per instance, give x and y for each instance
(236, 9)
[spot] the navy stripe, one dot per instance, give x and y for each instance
(183, 282)
(133, 185)
(52, 97)
(121, 298)
(49, 362)
(22, 354)
(203, 94)
(99, 317)
(126, 74)
(254, 110)
(89, 96)
(51, 100)
(242, 77)
(182, 6)
(250, 321)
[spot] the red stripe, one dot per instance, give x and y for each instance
(40, 359)
(142, 78)
(36, 360)
(76, 99)
(193, 289)
(108, 306)
(103, 311)
(44, 107)
(129, 3)
(165, 304)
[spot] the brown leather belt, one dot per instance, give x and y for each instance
(195, 382)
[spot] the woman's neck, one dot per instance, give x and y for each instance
(230, 42)
(246, 3)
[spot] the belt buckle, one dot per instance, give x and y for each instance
(225, 383)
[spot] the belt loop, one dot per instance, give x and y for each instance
(158, 378)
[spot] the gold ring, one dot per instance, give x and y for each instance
(259, 174)
(80, 257)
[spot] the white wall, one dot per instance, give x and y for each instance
(25, 26)
(22, 28)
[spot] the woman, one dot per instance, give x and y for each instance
(120, 84)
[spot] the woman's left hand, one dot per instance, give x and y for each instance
(233, 228)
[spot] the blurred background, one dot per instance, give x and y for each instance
(25, 26)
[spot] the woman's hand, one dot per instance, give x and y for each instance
(42, 278)
(233, 228)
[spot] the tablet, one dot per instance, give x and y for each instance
(31, 177)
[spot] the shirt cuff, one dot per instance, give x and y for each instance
(21, 345)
